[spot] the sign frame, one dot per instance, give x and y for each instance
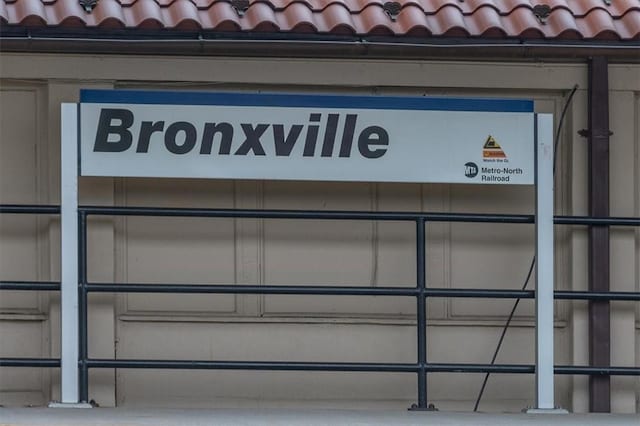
(543, 180)
(306, 137)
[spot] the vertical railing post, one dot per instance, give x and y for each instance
(69, 254)
(421, 313)
(83, 317)
(544, 262)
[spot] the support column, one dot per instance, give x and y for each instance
(544, 263)
(599, 313)
(69, 254)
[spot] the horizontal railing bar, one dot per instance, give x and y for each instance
(351, 291)
(592, 220)
(250, 289)
(480, 368)
(252, 365)
(480, 293)
(354, 366)
(597, 295)
(302, 214)
(29, 209)
(323, 366)
(592, 371)
(29, 362)
(303, 289)
(319, 290)
(355, 215)
(30, 285)
(305, 366)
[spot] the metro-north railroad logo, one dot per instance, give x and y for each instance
(470, 169)
(492, 149)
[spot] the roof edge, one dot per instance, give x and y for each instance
(162, 42)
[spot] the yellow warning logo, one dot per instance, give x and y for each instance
(492, 149)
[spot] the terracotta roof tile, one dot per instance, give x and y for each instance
(567, 19)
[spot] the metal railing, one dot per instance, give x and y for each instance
(420, 291)
(30, 209)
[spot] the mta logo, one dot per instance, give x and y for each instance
(470, 170)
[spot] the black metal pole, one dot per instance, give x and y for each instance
(421, 314)
(83, 375)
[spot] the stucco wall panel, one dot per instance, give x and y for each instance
(271, 252)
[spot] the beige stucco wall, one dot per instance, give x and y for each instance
(318, 328)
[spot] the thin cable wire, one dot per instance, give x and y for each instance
(533, 260)
(556, 141)
(504, 332)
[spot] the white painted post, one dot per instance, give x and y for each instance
(69, 253)
(544, 262)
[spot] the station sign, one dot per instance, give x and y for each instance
(306, 137)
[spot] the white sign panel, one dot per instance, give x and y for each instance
(306, 137)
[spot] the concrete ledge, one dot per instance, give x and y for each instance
(263, 417)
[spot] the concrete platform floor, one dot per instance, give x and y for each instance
(260, 417)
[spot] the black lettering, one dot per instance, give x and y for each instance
(347, 135)
(330, 135)
(106, 128)
(312, 136)
(147, 128)
(373, 136)
(189, 137)
(284, 146)
(252, 139)
(226, 136)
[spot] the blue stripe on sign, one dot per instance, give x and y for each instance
(296, 100)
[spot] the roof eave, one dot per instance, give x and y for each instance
(161, 42)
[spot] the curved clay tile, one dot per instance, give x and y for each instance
(282, 5)
(304, 28)
(418, 32)
(337, 20)
(568, 19)
(129, 3)
(503, 7)
(622, 7)
(181, 14)
(28, 11)
(202, 4)
(351, 5)
(628, 27)
(569, 34)
(559, 21)
(456, 32)
(484, 19)
(374, 18)
(494, 33)
(66, 13)
(430, 7)
(445, 20)
(617, 8)
(597, 23)
(412, 19)
(523, 23)
(145, 12)
(222, 17)
(266, 27)
(105, 10)
(258, 15)
(297, 15)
